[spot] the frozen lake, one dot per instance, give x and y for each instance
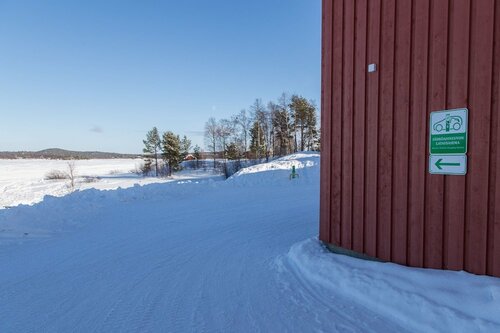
(22, 181)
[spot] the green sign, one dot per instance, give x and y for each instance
(448, 164)
(448, 132)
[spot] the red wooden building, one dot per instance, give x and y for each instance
(377, 195)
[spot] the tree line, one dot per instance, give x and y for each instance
(279, 128)
(164, 154)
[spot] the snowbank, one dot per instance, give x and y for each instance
(422, 300)
(277, 172)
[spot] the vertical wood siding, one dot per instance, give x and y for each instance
(377, 196)
(326, 121)
(359, 110)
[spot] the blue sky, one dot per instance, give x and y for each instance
(97, 75)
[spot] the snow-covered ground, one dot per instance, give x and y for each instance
(23, 181)
(202, 255)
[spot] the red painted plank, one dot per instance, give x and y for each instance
(326, 129)
(480, 74)
(337, 88)
(494, 205)
(372, 92)
(458, 61)
(359, 128)
(433, 249)
(494, 228)
(347, 124)
(401, 130)
(418, 134)
(385, 124)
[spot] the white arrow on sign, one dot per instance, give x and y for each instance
(448, 164)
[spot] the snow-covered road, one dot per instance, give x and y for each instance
(189, 256)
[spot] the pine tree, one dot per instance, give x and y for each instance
(197, 155)
(171, 148)
(232, 152)
(257, 141)
(282, 133)
(185, 146)
(284, 126)
(263, 134)
(304, 119)
(311, 132)
(152, 146)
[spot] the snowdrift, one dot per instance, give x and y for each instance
(421, 300)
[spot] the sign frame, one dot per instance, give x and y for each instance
(465, 125)
(443, 167)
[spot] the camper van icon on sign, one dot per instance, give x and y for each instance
(449, 123)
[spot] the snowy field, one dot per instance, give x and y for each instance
(204, 255)
(23, 181)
